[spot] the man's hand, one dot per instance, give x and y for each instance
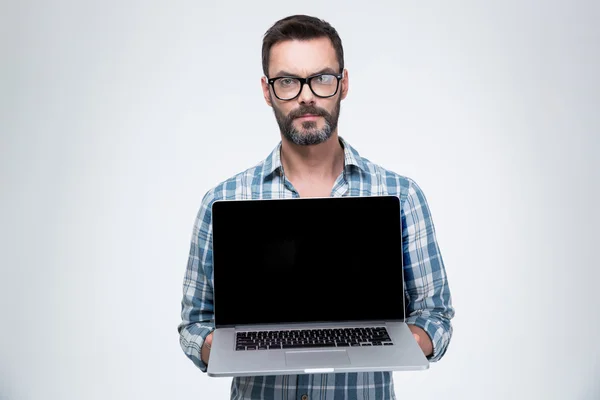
(422, 339)
(205, 355)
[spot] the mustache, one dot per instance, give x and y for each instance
(307, 110)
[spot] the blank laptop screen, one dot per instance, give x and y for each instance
(307, 260)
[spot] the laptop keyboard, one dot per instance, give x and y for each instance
(294, 339)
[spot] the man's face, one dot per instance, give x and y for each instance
(306, 119)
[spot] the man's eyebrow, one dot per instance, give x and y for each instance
(326, 70)
(283, 73)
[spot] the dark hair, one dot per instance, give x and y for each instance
(300, 27)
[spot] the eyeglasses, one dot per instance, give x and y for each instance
(289, 87)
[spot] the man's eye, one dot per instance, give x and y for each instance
(286, 82)
(325, 79)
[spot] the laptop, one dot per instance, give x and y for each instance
(309, 285)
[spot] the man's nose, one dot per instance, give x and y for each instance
(306, 95)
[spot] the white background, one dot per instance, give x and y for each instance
(117, 117)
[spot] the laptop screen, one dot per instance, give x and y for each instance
(307, 260)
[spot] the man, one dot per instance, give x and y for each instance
(305, 82)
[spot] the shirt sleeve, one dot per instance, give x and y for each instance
(197, 310)
(429, 301)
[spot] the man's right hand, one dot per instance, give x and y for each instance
(205, 355)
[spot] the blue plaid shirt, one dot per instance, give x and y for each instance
(428, 297)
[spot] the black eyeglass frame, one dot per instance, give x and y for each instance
(306, 81)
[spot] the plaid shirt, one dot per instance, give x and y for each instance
(429, 304)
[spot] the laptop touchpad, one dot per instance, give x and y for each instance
(316, 358)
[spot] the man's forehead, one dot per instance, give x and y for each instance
(303, 57)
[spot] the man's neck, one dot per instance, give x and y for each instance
(324, 161)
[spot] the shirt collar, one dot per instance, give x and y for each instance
(272, 163)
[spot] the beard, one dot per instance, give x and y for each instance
(309, 134)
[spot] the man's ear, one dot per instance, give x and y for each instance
(344, 84)
(266, 90)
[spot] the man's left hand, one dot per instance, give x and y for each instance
(422, 339)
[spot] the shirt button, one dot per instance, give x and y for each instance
(304, 397)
